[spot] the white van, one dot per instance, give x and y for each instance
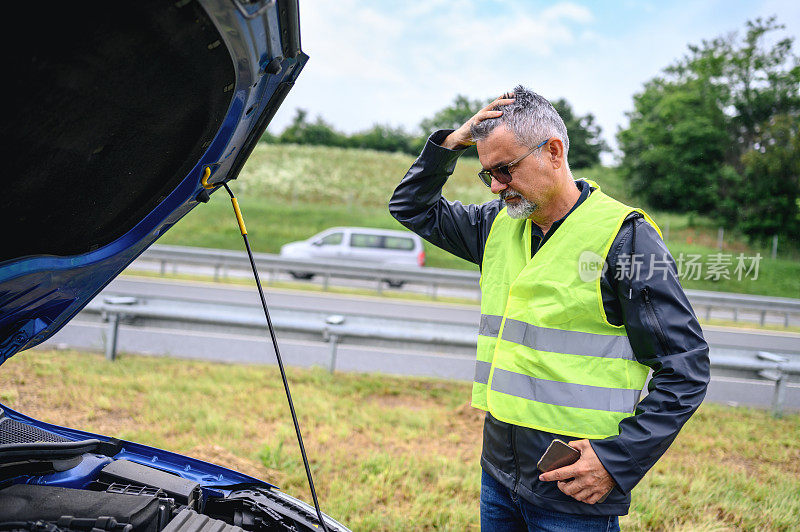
(379, 246)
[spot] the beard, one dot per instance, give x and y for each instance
(519, 209)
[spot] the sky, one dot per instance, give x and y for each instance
(398, 62)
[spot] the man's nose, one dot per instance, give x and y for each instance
(497, 186)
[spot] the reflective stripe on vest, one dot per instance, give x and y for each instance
(483, 365)
(564, 393)
(547, 357)
(482, 371)
(490, 325)
(556, 340)
(571, 342)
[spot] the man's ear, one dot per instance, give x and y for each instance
(554, 151)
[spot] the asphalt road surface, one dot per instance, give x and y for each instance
(245, 348)
(717, 337)
(142, 264)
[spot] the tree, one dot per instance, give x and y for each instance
(452, 117)
(378, 137)
(268, 138)
(764, 83)
(301, 131)
(585, 143)
(674, 150)
(714, 132)
(384, 138)
(764, 197)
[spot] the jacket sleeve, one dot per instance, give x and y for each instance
(417, 203)
(665, 336)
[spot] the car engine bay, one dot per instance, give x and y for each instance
(49, 483)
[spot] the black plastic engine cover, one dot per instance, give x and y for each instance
(190, 521)
(23, 502)
(124, 471)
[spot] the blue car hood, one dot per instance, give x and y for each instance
(117, 111)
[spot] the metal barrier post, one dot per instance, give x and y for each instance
(779, 395)
(334, 340)
(334, 319)
(113, 317)
(778, 377)
(111, 336)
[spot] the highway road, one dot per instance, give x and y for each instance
(249, 348)
(144, 264)
(717, 337)
(296, 299)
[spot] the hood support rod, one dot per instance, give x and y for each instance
(243, 230)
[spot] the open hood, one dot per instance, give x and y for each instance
(116, 111)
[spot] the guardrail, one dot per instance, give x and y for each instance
(335, 328)
(737, 303)
(223, 260)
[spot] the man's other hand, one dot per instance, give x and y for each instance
(586, 480)
(461, 137)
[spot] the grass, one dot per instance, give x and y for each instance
(391, 453)
(290, 193)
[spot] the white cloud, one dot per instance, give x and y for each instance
(376, 62)
(568, 10)
(397, 63)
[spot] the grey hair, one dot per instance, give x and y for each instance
(531, 118)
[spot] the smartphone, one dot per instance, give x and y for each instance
(557, 455)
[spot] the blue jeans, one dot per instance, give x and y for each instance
(503, 511)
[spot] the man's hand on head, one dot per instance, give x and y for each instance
(462, 137)
(586, 480)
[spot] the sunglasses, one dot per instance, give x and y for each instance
(503, 173)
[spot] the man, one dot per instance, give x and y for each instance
(580, 299)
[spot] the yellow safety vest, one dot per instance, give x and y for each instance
(547, 356)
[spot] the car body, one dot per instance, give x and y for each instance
(122, 117)
(385, 247)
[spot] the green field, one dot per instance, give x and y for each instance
(290, 192)
(391, 453)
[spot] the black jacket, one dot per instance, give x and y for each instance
(650, 302)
